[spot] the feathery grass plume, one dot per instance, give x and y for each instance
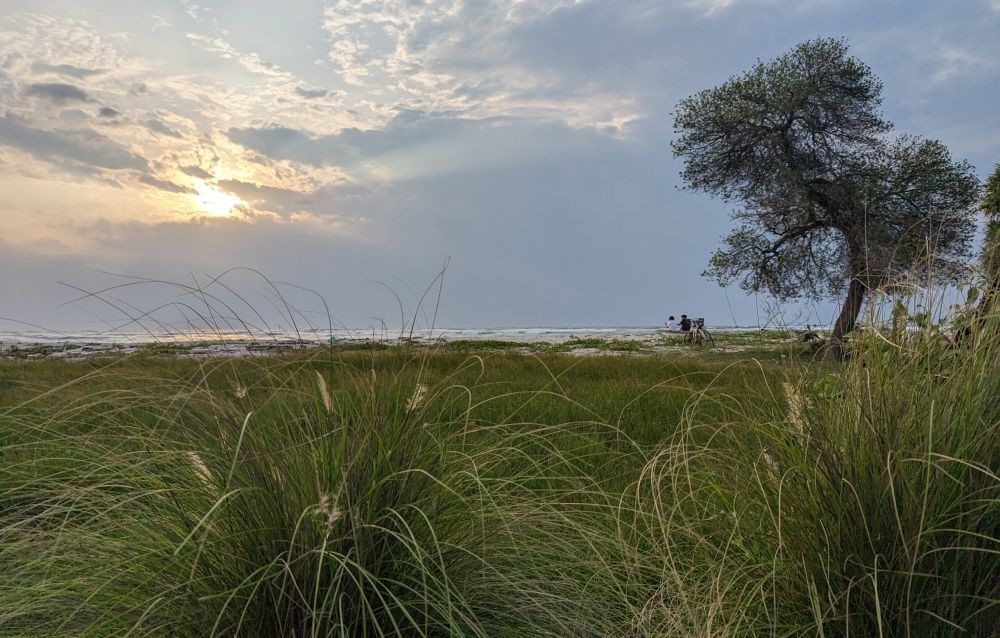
(417, 398)
(795, 405)
(323, 392)
(200, 468)
(329, 510)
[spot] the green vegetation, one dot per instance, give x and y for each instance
(170, 348)
(32, 351)
(467, 345)
(456, 491)
(991, 244)
(596, 343)
(828, 201)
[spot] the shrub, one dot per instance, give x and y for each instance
(864, 502)
(281, 508)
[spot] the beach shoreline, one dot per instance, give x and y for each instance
(584, 341)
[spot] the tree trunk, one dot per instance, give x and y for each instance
(848, 316)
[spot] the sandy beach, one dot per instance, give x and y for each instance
(580, 342)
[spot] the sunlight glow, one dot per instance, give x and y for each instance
(216, 203)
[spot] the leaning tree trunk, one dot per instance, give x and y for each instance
(848, 316)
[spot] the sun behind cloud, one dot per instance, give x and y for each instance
(212, 201)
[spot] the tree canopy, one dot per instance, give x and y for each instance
(991, 245)
(828, 198)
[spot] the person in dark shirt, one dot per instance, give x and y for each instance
(685, 323)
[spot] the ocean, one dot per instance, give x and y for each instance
(325, 335)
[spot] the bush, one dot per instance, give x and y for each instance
(277, 509)
(865, 502)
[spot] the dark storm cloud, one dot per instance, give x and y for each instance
(58, 93)
(83, 146)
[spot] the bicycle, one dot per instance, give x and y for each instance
(699, 335)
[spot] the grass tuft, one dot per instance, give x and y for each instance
(461, 491)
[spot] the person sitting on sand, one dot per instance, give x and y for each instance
(671, 324)
(685, 324)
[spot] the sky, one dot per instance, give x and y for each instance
(351, 147)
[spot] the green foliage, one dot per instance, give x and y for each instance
(597, 343)
(991, 245)
(868, 504)
(991, 198)
(466, 345)
(32, 352)
(266, 509)
(826, 197)
(428, 492)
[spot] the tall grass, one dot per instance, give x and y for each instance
(864, 502)
(417, 493)
(274, 509)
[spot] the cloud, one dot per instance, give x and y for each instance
(252, 62)
(311, 94)
(282, 201)
(418, 158)
(408, 129)
(209, 246)
(710, 6)
(82, 146)
(12, 63)
(159, 127)
(107, 111)
(58, 93)
(196, 171)
(193, 9)
(165, 185)
(529, 140)
(414, 144)
(956, 61)
(287, 143)
(330, 203)
(75, 118)
(65, 69)
(462, 57)
(523, 235)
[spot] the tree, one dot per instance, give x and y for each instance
(829, 200)
(991, 246)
